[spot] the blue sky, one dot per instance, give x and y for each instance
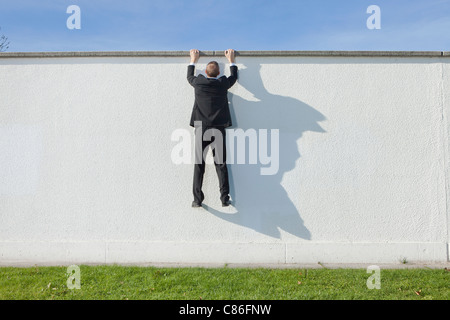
(40, 25)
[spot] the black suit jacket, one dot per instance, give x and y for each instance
(211, 100)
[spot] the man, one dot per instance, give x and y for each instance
(210, 116)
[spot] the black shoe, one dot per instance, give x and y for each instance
(226, 203)
(196, 204)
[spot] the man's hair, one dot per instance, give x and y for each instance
(212, 69)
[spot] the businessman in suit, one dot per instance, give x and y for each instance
(210, 116)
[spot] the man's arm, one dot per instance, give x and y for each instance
(195, 54)
(230, 54)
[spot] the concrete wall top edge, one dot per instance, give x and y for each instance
(57, 54)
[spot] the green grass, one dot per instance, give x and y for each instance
(121, 282)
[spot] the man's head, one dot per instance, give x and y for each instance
(212, 69)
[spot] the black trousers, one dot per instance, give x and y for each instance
(214, 137)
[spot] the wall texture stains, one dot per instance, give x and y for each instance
(87, 175)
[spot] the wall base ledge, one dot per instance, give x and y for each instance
(192, 253)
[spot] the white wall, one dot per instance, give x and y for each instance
(86, 174)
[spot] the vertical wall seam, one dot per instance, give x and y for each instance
(445, 139)
(106, 252)
(285, 253)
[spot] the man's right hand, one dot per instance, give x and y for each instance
(230, 55)
(195, 54)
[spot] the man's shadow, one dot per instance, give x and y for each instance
(261, 203)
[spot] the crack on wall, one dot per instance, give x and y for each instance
(445, 140)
